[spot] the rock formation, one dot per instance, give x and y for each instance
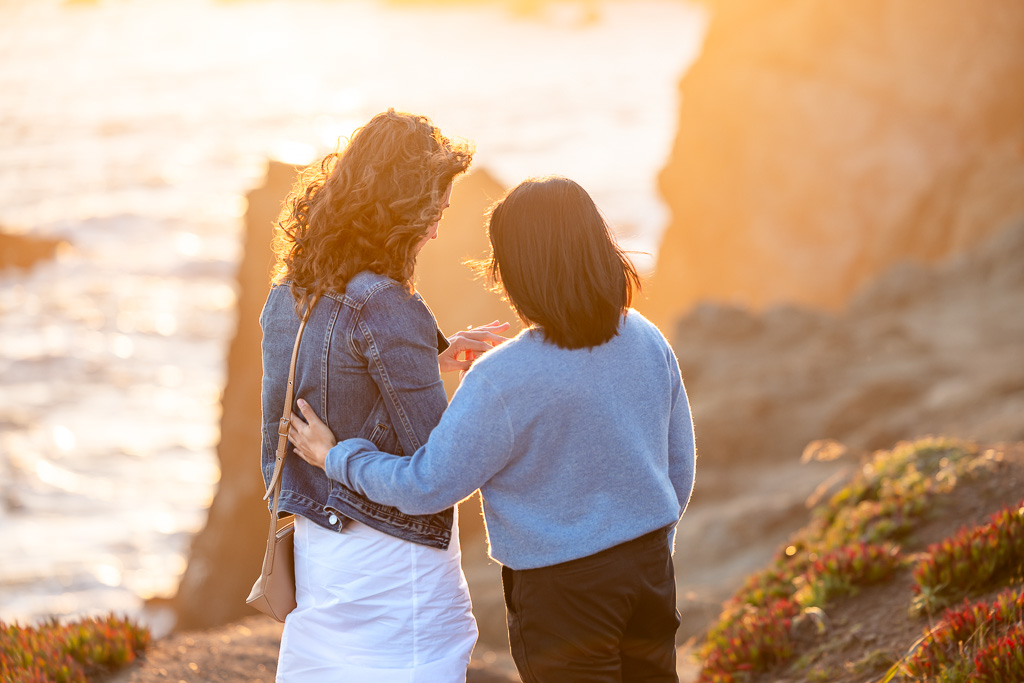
(458, 297)
(226, 555)
(24, 251)
(821, 142)
(922, 350)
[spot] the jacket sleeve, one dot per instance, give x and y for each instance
(397, 336)
(473, 442)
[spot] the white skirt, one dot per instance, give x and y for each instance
(375, 608)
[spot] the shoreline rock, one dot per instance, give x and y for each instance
(818, 144)
(225, 556)
(922, 350)
(22, 252)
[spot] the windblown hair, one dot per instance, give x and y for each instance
(558, 264)
(367, 206)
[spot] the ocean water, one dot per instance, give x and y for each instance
(133, 129)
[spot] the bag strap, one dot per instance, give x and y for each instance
(282, 443)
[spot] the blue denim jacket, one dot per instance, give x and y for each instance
(367, 365)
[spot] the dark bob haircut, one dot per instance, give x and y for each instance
(558, 264)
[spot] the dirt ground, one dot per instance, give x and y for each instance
(246, 652)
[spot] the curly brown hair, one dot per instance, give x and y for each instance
(367, 206)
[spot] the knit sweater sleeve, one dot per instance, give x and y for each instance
(682, 453)
(472, 442)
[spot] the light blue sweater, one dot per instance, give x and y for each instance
(573, 451)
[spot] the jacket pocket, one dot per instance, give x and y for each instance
(378, 428)
(379, 433)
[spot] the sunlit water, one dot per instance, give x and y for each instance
(133, 130)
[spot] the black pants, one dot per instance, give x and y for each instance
(609, 617)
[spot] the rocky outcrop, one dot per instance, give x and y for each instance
(820, 143)
(226, 555)
(456, 294)
(922, 350)
(24, 251)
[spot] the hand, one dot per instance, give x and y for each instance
(470, 344)
(311, 437)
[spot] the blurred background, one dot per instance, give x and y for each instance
(827, 199)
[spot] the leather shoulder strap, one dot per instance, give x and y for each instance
(282, 430)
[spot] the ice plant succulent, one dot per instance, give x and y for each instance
(848, 543)
(1003, 660)
(839, 572)
(973, 642)
(972, 559)
(891, 491)
(68, 653)
(753, 632)
(754, 639)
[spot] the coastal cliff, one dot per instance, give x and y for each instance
(22, 252)
(225, 556)
(922, 350)
(820, 143)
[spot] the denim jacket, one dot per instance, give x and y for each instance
(367, 365)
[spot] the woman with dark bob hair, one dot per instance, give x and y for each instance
(380, 592)
(577, 433)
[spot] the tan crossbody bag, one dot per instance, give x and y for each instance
(274, 592)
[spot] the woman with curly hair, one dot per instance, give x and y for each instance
(380, 594)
